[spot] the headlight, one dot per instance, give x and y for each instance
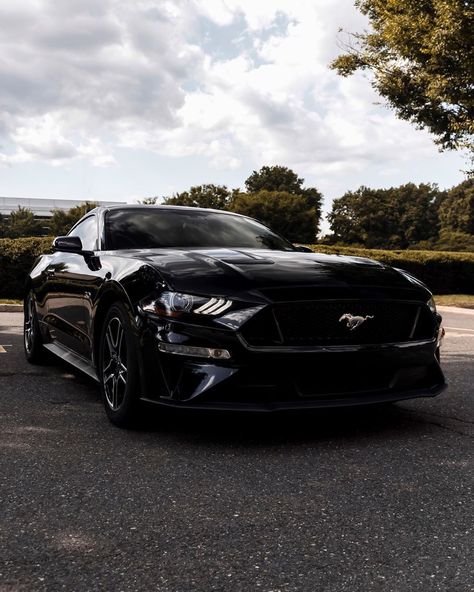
(175, 304)
(432, 306)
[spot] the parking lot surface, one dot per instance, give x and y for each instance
(328, 501)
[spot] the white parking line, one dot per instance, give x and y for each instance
(3, 350)
(459, 329)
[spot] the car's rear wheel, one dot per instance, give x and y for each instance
(118, 368)
(32, 340)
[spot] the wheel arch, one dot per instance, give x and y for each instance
(27, 286)
(113, 293)
(128, 291)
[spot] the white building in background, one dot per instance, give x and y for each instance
(43, 208)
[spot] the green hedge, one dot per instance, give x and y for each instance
(17, 256)
(444, 272)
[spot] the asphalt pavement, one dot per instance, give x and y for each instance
(366, 499)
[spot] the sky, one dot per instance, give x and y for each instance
(120, 99)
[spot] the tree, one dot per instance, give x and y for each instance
(421, 55)
(149, 201)
(22, 222)
(274, 178)
(202, 196)
(279, 178)
(448, 241)
(62, 221)
(386, 218)
(456, 210)
(284, 212)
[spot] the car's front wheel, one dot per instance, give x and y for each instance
(118, 368)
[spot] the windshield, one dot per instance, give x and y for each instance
(156, 228)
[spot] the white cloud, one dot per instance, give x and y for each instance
(69, 73)
(79, 78)
(42, 137)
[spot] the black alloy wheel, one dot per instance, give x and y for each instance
(118, 368)
(32, 340)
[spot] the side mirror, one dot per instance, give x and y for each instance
(303, 249)
(68, 244)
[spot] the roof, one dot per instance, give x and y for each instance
(165, 207)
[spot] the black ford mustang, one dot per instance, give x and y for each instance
(191, 307)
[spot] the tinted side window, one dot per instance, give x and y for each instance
(87, 232)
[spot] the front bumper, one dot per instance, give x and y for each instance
(267, 379)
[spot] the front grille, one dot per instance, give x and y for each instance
(317, 323)
(325, 378)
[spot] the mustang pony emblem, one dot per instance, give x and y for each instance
(354, 322)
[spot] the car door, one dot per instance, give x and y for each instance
(73, 280)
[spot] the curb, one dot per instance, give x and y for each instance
(11, 307)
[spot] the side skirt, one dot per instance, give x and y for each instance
(72, 358)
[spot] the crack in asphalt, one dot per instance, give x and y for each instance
(440, 415)
(444, 427)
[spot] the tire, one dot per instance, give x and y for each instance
(32, 339)
(119, 374)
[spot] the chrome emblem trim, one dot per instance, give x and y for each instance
(353, 322)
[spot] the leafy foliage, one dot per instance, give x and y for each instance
(284, 212)
(456, 210)
(395, 218)
(202, 196)
(274, 178)
(421, 55)
(275, 196)
(282, 179)
(62, 221)
(17, 257)
(448, 241)
(22, 222)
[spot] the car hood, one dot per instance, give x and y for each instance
(241, 271)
